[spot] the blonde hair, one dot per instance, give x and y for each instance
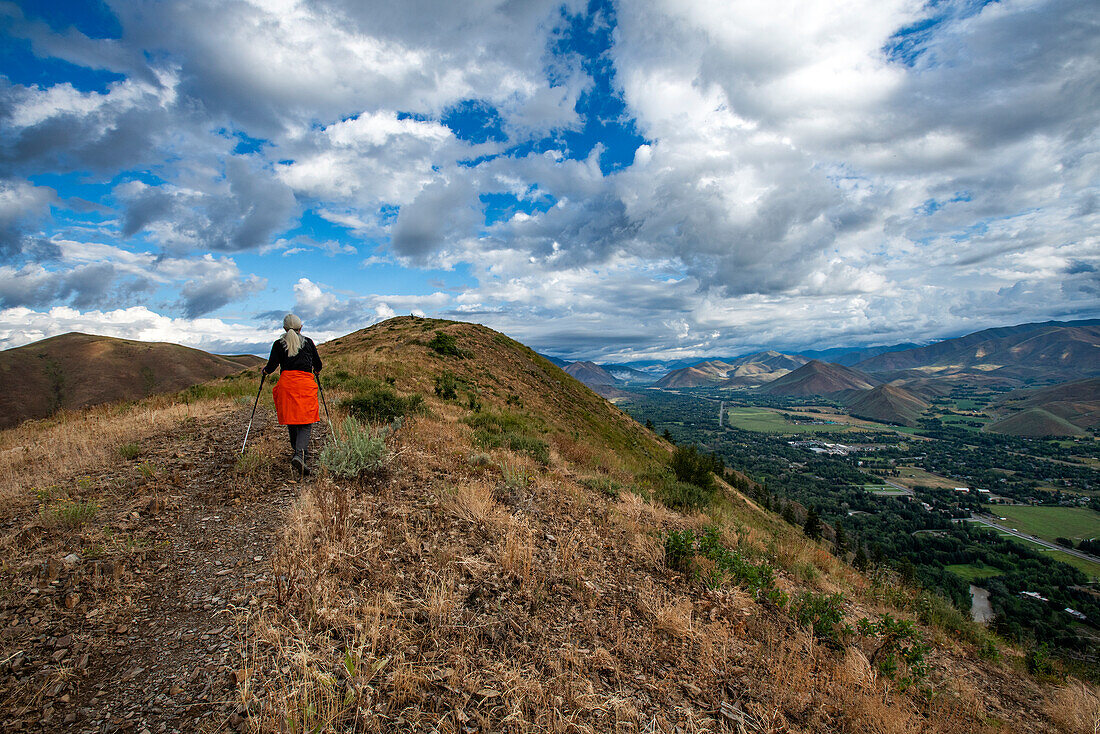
(293, 337)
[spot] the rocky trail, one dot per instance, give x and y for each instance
(130, 626)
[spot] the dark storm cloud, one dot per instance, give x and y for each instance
(245, 214)
(86, 286)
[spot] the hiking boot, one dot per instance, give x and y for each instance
(298, 464)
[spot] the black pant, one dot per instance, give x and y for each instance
(299, 438)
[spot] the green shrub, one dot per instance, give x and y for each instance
(536, 448)
(682, 548)
(516, 476)
(380, 404)
(1038, 663)
(822, 613)
(361, 449)
(129, 451)
(446, 386)
(604, 485)
(509, 430)
(445, 344)
(899, 641)
(692, 467)
(479, 459)
(69, 513)
(683, 496)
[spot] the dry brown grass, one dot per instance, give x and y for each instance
(518, 551)
(671, 614)
(473, 502)
(1076, 708)
(42, 453)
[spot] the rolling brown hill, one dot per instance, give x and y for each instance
(590, 373)
(820, 378)
(77, 370)
(887, 404)
(1051, 352)
(1077, 403)
(1034, 423)
(710, 372)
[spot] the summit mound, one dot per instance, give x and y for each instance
(887, 404)
(820, 378)
(590, 373)
(76, 370)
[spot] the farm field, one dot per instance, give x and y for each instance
(911, 476)
(762, 420)
(1048, 523)
(972, 573)
(831, 414)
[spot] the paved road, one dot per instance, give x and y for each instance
(903, 488)
(991, 521)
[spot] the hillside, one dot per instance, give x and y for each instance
(820, 378)
(590, 373)
(709, 372)
(1076, 402)
(747, 371)
(518, 561)
(887, 404)
(1034, 423)
(77, 370)
(1050, 352)
(849, 356)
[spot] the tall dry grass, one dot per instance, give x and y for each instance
(38, 454)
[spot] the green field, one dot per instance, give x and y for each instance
(973, 573)
(1090, 568)
(763, 420)
(1048, 523)
(963, 421)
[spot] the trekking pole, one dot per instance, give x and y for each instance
(328, 416)
(263, 376)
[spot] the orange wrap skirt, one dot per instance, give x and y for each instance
(295, 397)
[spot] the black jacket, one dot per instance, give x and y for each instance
(306, 360)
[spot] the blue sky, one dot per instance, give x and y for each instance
(614, 181)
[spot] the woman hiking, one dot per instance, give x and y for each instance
(295, 393)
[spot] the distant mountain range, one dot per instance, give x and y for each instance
(893, 384)
(77, 370)
(1012, 356)
(748, 371)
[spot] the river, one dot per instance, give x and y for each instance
(980, 609)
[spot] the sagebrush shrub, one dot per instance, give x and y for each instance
(360, 450)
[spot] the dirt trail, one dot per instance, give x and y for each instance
(142, 638)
